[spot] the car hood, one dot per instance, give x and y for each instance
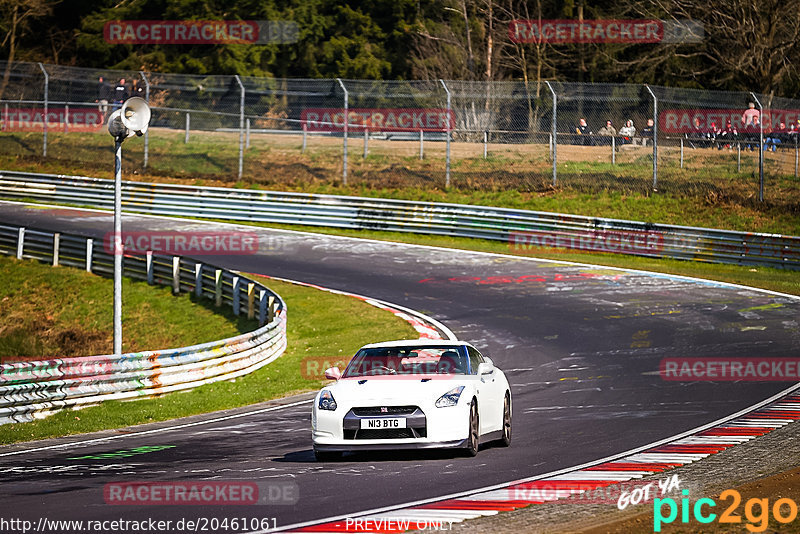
(394, 390)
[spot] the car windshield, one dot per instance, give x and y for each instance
(408, 360)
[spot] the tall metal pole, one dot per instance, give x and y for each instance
(147, 133)
(554, 133)
(118, 246)
(241, 123)
(44, 118)
(447, 153)
(655, 138)
(760, 148)
(346, 121)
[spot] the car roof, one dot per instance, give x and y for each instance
(417, 343)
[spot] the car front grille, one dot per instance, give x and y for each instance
(384, 410)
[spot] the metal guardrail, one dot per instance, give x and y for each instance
(35, 389)
(523, 230)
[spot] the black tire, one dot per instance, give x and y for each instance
(473, 438)
(327, 456)
(505, 441)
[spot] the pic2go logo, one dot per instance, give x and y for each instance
(756, 511)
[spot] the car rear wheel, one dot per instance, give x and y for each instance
(474, 431)
(326, 456)
(505, 441)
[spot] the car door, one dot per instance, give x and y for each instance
(490, 398)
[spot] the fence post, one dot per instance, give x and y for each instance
(236, 303)
(421, 144)
(760, 148)
(198, 279)
(89, 254)
(66, 118)
(247, 137)
(186, 136)
(5, 117)
(366, 141)
(149, 266)
(681, 152)
(795, 155)
(554, 133)
(447, 153)
(20, 242)
(241, 123)
(655, 137)
(346, 121)
(218, 288)
(147, 133)
(56, 246)
(305, 133)
(613, 149)
(176, 275)
(738, 156)
(44, 117)
(485, 144)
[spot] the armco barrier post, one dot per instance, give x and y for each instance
(262, 307)
(554, 133)
(235, 296)
(89, 254)
(56, 246)
(149, 266)
(346, 124)
(270, 309)
(44, 118)
(447, 153)
(241, 124)
(218, 288)
(176, 275)
(198, 279)
(20, 242)
(251, 296)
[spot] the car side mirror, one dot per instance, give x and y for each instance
(485, 368)
(333, 373)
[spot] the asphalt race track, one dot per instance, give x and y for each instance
(581, 347)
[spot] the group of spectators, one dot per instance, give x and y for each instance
(116, 94)
(748, 136)
(626, 135)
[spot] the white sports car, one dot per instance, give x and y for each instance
(412, 394)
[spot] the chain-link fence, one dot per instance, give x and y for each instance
(522, 136)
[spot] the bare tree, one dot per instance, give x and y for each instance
(15, 19)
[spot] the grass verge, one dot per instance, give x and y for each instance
(322, 327)
(52, 312)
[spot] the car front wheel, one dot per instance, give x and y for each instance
(474, 433)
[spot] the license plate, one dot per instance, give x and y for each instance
(383, 423)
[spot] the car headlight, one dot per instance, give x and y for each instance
(326, 401)
(450, 398)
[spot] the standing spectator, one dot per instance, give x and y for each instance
(103, 96)
(647, 131)
(627, 132)
(582, 129)
(608, 130)
(750, 115)
(752, 134)
(137, 90)
(120, 94)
